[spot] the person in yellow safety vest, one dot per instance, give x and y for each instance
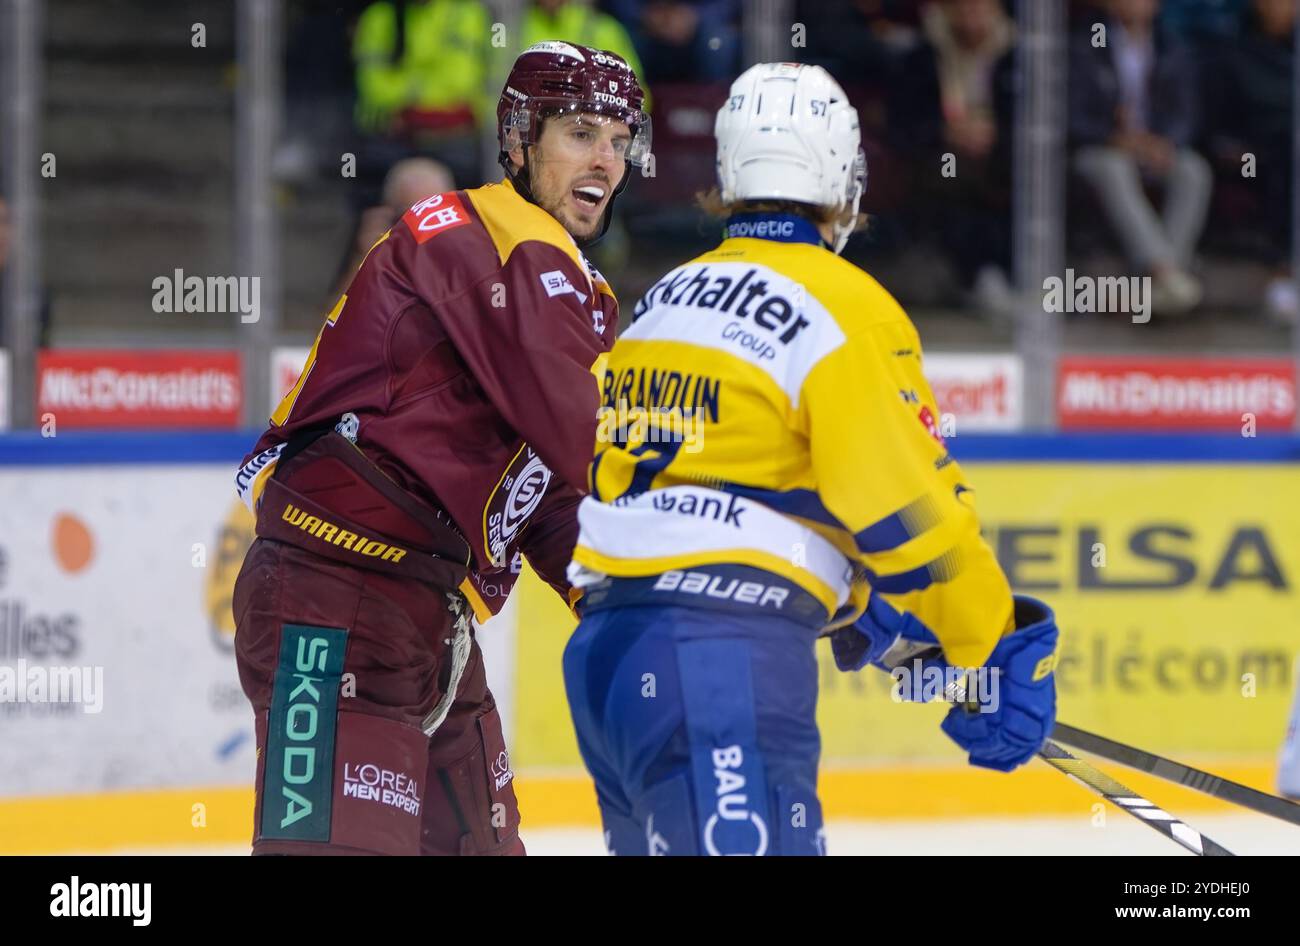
(423, 70)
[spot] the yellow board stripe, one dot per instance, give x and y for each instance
(918, 793)
(163, 818)
(114, 820)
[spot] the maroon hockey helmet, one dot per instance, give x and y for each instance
(558, 78)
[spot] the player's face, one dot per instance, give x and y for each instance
(574, 168)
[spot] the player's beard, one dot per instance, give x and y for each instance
(554, 197)
(581, 231)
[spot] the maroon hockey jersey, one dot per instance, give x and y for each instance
(461, 362)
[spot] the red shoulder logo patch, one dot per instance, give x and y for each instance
(434, 215)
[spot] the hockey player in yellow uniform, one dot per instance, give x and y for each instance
(770, 469)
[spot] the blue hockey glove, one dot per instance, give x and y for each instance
(1012, 710)
(887, 639)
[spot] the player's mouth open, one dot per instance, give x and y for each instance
(589, 195)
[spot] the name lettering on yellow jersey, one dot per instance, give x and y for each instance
(673, 390)
(702, 289)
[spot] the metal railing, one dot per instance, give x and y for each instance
(1038, 226)
(258, 102)
(21, 32)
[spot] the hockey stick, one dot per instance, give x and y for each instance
(1130, 801)
(1184, 775)
(1108, 788)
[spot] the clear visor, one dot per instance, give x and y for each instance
(584, 127)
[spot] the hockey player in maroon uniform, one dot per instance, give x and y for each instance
(442, 425)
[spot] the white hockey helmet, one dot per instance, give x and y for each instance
(788, 132)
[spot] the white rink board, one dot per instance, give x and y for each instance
(172, 711)
(983, 392)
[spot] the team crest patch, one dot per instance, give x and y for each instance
(516, 497)
(435, 215)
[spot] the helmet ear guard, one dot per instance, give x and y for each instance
(846, 222)
(514, 131)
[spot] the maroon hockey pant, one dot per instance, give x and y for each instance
(359, 751)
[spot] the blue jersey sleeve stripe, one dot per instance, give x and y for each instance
(917, 579)
(944, 568)
(889, 533)
(899, 527)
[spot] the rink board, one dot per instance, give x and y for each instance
(1170, 562)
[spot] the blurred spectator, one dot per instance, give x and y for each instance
(406, 184)
(858, 41)
(683, 40)
(1205, 21)
(1249, 101)
(576, 22)
(950, 99)
(1132, 115)
(421, 76)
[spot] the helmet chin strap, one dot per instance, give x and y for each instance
(517, 179)
(609, 208)
(520, 177)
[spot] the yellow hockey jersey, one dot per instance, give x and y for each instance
(767, 408)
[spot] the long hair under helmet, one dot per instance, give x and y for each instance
(788, 132)
(558, 78)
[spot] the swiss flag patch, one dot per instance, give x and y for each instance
(434, 215)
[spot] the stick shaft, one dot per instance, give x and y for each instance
(1125, 798)
(1185, 775)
